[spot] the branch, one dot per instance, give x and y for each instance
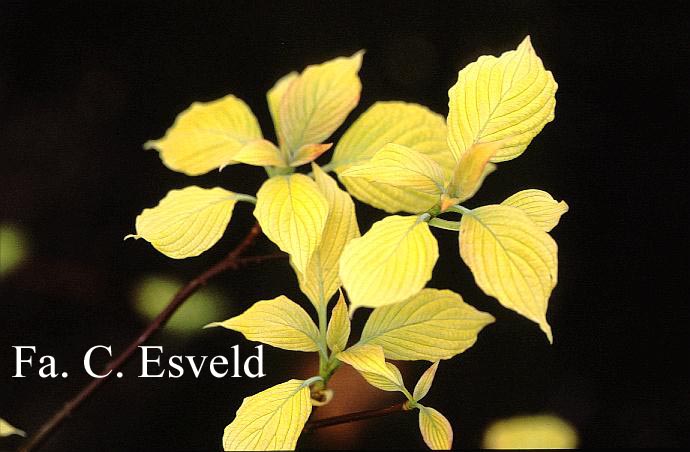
(231, 262)
(352, 417)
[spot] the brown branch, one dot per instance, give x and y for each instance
(352, 417)
(231, 262)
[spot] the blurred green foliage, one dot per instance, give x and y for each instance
(153, 292)
(14, 248)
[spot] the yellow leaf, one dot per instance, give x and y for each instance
(260, 153)
(508, 99)
(403, 168)
(279, 322)
(270, 420)
(274, 96)
(433, 324)
(292, 213)
(309, 153)
(317, 102)
(424, 384)
(436, 430)
(186, 222)
(338, 326)
(471, 170)
(320, 281)
(207, 136)
(390, 263)
(401, 123)
(530, 432)
(539, 206)
(7, 429)
(512, 259)
(369, 361)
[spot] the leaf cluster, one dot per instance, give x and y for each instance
(399, 157)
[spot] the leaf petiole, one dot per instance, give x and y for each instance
(460, 209)
(246, 198)
(445, 224)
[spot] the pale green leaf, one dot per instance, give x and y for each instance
(436, 430)
(317, 102)
(406, 124)
(320, 280)
(512, 259)
(7, 429)
(401, 167)
(270, 420)
(186, 222)
(508, 99)
(207, 136)
(425, 381)
(539, 206)
(279, 322)
(431, 325)
(370, 362)
(292, 212)
(338, 327)
(390, 263)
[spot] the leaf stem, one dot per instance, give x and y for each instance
(357, 416)
(246, 198)
(445, 224)
(460, 209)
(231, 262)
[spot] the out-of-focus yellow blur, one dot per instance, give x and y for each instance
(543, 431)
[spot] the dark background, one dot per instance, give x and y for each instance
(84, 84)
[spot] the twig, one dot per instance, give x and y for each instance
(231, 262)
(352, 417)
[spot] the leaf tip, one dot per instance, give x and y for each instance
(151, 144)
(212, 325)
(546, 328)
(564, 206)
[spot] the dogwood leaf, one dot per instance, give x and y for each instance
(279, 322)
(405, 124)
(320, 280)
(338, 327)
(315, 103)
(508, 98)
(292, 212)
(207, 136)
(186, 222)
(431, 325)
(370, 362)
(270, 420)
(512, 259)
(539, 206)
(436, 430)
(390, 263)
